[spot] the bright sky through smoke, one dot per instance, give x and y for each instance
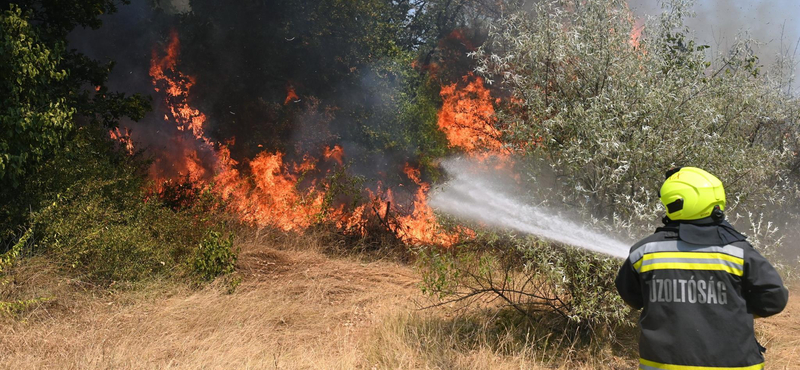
(775, 24)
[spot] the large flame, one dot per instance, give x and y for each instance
(421, 226)
(271, 192)
(270, 196)
(176, 85)
(467, 117)
(274, 199)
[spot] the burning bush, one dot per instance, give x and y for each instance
(102, 227)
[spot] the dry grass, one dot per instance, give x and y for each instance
(293, 310)
(781, 335)
(296, 308)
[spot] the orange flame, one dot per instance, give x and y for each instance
(291, 95)
(177, 86)
(276, 200)
(272, 194)
(337, 153)
(467, 117)
(421, 225)
(124, 139)
(158, 65)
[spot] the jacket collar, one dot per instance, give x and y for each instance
(705, 231)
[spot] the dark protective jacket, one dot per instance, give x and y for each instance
(699, 284)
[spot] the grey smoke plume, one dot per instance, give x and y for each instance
(718, 23)
(481, 196)
(176, 6)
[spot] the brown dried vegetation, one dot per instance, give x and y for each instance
(297, 307)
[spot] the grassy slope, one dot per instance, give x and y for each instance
(295, 309)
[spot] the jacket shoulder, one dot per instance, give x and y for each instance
(658, 236)
(744, 244)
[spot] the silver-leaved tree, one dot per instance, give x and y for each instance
(611, 106)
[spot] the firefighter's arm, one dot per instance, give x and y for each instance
(763, 288)
(629, 285)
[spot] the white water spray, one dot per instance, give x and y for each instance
(479, 197)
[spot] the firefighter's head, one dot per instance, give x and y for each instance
(690, 193)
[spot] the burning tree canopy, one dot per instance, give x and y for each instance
(265, 103)
(273, 194)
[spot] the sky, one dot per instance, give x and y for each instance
(775, 24)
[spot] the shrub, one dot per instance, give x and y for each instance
(557, 286)
(108, 239)
(214, 256)
(93, 217)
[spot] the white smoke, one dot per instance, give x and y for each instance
(481, 197)
(773, 24)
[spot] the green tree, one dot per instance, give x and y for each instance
(611, 116)
(34, 118)
(48, 91)
(84, 84)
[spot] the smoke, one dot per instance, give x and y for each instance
(775, 25)
(245, 59)
(482, 195)
(176, 6)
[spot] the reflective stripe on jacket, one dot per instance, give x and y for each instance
(698, 301)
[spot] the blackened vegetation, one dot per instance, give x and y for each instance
(298, 76)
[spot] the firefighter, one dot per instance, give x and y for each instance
(699, 283)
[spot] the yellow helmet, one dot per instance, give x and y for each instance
(690, 193)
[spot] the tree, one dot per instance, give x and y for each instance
(35, 118)
(48, 92)
(610, 115)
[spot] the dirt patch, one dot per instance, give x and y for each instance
(781, 335)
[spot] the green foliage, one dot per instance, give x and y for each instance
(440, 276)
(34, 118)
(45, 86)
(82, 90)
(564, 288)
(105, 238)
(13, 308)
(92, 216)
(8, 258)
(610, 117)
(58, 17)
(585, 279)
(214, 256)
